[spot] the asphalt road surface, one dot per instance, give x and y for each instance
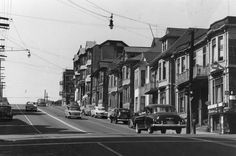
(48, 132)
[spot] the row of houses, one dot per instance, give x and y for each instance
(193, 69)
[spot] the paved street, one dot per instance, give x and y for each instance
(48, 132)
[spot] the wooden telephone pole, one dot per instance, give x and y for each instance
(4, 25)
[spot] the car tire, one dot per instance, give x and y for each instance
(163, 131)
(137, 129)
(178, 131)
(150, 130)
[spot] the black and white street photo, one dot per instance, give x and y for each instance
(117, 78)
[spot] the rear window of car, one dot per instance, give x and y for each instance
(124, 110)
(101, 108)
(162, 109)
(74, 108)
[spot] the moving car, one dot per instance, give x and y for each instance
(5, 110)
(31, 106)
(73, 112)
(120, 114)
(99, 112)
(159, 117)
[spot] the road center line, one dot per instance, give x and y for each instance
(69, 125)
(109, 149)
(215, 142)
(31, 124)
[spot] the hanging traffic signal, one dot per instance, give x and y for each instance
(111, 22)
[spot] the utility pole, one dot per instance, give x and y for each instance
(3, 25)
(189, 128)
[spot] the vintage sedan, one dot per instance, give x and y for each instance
(119, 114)
(159, 117)
(73, 111)
(31, 106)
(5, 111)
(99, 112)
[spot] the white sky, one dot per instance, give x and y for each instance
(53, 30)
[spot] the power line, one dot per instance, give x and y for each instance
(81, 7)
(121, 16)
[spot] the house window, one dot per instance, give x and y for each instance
(115, 81)
(204, 57)
(159, 69)
(142, 78)
(178, 66)
(142, 103)
(194, 58)
(136, 79)
(163, 97)
(182, 104)
(127, 72)
(164, 45)
(218, 90)
(220, 48)
(183, 64)
(164, 70)
(123, 73)
(214, 55)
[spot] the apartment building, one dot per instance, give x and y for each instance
(102, 57)
(82, 73)
(221, 44)
(67, 86)
(162, 83)
(141, 78)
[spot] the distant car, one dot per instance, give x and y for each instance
(73, 112)
(120, 114)
(87, 109)
(99, 112)
(5, 111)
(159, 117)
(41, 104)
(31, 106)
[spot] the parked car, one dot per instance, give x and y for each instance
(159, 117)
(31, 106)
(73, 112)
(131, 121)
(87, 109)
(99, 112)
(120, 114)
(5, 110)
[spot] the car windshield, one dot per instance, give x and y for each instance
(101, 108)
(124, 110)
(162, 109)
(74, 108)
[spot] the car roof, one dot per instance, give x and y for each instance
(158, 105)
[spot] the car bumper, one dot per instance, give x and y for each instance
(123, 119)
(169, 125)
(31, 109)
(74, 116)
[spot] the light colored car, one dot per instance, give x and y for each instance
(87, 109)
(31, 106)
(73, 112)
(99, 112)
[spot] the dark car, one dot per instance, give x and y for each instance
(159, 117)
(31, 106)
(120, 114)
(5, 111)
